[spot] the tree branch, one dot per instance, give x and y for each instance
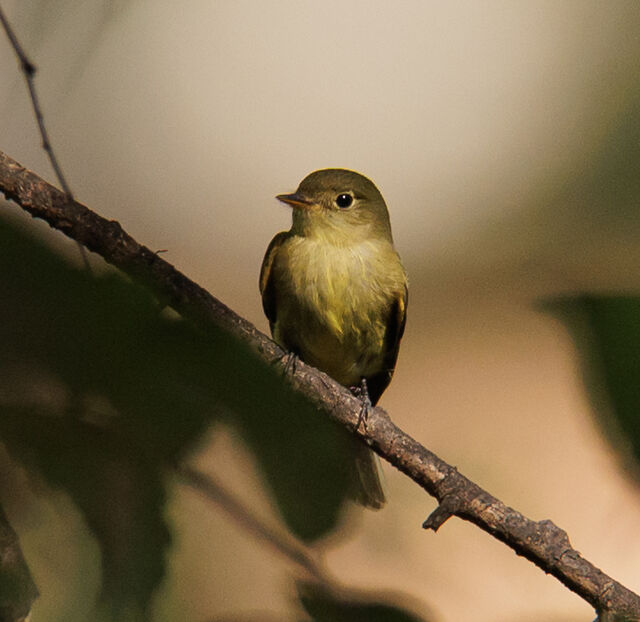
(541, 542)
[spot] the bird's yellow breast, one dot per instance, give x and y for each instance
(334, 303)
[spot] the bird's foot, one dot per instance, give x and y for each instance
(362, 393)
(289, 361)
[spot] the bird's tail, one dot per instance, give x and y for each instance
(369, 488)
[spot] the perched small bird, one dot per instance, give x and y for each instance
(335, 293)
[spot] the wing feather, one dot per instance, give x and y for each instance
(267, 282)
(397, 319)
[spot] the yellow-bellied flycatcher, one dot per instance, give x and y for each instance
(335, 292)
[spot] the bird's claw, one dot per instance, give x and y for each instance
(362, 393)
(289, 361)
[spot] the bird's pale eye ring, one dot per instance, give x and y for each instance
(344, 200)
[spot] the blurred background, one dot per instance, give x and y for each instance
(505, 138)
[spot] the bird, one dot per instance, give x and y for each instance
(335, 293)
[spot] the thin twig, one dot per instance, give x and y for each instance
(29, 70)
(541, 542)
(282, 543)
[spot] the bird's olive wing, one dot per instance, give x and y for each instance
(267, 285)
(377, 383)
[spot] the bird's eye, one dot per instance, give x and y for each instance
(344, 200)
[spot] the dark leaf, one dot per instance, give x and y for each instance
(100, 392)
(323, 606)
(606, 330)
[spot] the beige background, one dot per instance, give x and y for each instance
(499, 134)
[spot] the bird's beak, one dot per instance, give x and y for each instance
(295, 200)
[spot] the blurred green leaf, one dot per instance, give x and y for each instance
(324, 606)
(100, 391)
(118, 488)
(305, 460)
(606, 331)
